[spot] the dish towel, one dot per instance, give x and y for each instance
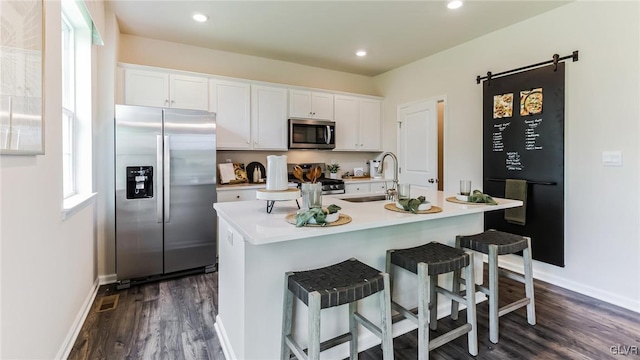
(516, 190)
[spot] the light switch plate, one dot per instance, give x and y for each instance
(612, 158)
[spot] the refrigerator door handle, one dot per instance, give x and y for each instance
(167, 180)
(159, 198)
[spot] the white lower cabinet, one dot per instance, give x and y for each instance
(365, 187)
(378, 187)
(357, 188)
(236, 195)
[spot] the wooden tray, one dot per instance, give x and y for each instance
(342, 219)
(453, 199)
(434, 209)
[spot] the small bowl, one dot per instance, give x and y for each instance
(329, 219)
(422, 207)
(464, 198)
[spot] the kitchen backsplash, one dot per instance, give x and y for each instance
(347, 160)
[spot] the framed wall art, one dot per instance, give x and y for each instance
(21, 77)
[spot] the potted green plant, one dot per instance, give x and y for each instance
(333, 170)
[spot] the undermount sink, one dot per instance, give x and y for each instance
(367, 198)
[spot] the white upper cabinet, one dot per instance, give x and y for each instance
(189, 92)
(269, 117)
(162, 89)
(310, 104)
(358, 123)
(231, 101)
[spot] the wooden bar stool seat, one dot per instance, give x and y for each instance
(428, 261)
(334, 285)
(494, 243)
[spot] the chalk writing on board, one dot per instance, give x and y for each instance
(498, 145)
(530, 134)
(513, 161)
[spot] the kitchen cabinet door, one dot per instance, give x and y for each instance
(231, 101)
(358, 123)
(146, 88)
(188, 92)
(269, 117)
(236, 195)
(162, 89)
(370, 124)
(310, 104)
(379, 187)
(357, 188)
(346, 118)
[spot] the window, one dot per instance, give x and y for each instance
(68, 107)
(76, 48)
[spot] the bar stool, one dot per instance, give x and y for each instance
(342, 283)
(494, 243)
(428, 261)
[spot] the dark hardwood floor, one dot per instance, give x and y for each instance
(170, 319)
(173, 319)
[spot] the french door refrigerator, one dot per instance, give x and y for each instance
(165, 183)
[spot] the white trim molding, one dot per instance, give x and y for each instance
(510, 262)
(70, 339)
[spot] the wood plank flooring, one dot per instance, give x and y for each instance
(170, 319)
(173, 319)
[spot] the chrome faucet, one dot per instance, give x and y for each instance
(392, 194)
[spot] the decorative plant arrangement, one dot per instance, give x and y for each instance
(333, 169)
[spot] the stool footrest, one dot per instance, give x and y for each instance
(513, 306)
(295, 349)
(368, 324)
(451, 295)
(408, 314)
(340, 339)
(511, 275)
(445, 338)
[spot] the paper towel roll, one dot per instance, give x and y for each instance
(277, 172)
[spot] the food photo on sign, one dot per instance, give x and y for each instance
(531, 102)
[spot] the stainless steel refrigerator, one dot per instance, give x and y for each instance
(165, 182)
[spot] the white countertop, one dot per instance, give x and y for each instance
(257, 227)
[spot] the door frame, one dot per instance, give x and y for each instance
(438, 98)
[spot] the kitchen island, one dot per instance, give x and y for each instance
(256, 249)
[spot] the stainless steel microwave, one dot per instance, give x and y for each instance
(312, 134)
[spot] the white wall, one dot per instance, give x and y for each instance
(144, 51)
(49, 266)
(602, 240)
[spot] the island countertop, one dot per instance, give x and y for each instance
(257, 227)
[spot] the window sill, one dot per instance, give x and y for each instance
(74, 204)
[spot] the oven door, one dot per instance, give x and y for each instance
(311, 134)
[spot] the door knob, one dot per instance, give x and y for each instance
(431, 181)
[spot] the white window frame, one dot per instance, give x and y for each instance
(76, 114)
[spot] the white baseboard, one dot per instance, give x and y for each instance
(67, 345)
(107, 279)
(227, 350)
(511, 263)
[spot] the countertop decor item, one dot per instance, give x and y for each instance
(342, 219)
(318, 216)
(392, 206)
(277, 172)
(333, 170)
(277, 195)
(256, 172)
(454, 199)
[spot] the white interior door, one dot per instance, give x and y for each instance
(418, 143)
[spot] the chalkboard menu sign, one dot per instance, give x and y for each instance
(523, 138)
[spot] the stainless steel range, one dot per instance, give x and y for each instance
(329, 186)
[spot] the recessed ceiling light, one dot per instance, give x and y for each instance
(361, 53)
(200, 17)
(454, 4)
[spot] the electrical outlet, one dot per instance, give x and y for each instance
(228, 160)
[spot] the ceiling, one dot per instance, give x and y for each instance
(325, 34)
